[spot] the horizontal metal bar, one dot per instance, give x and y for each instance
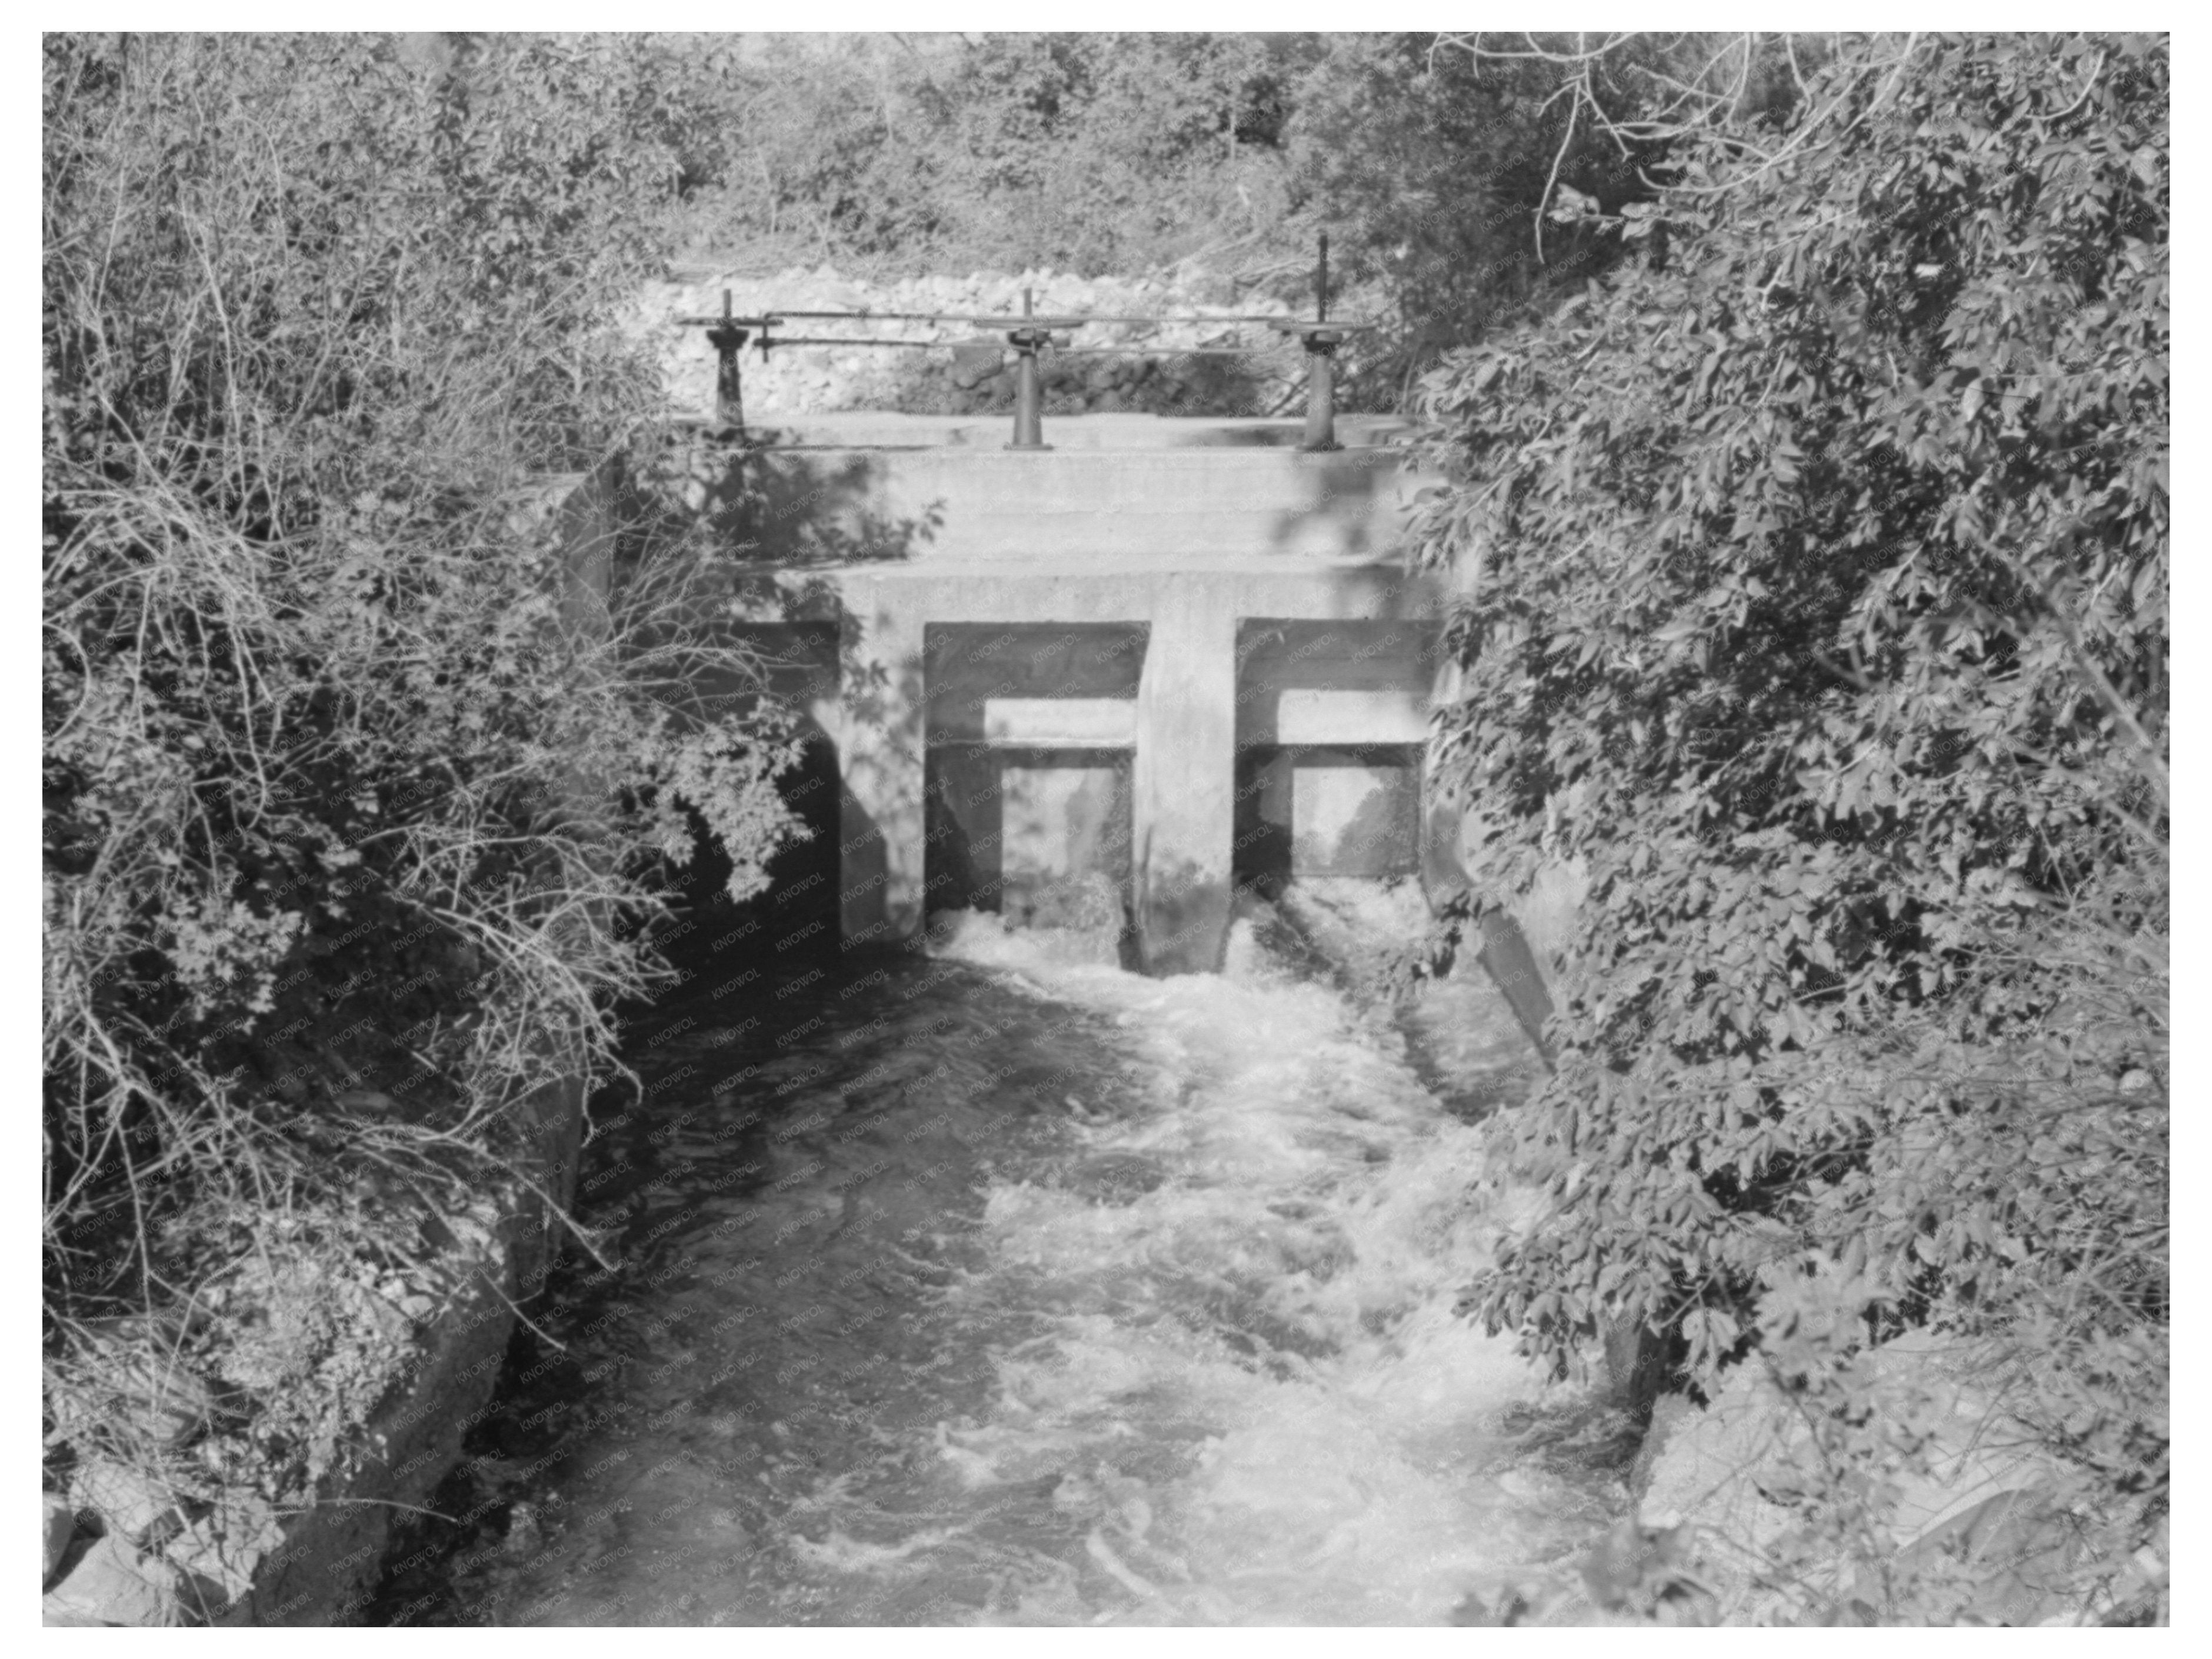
(781, 340)
(1166, 351)
(778, 341)
(1274, 319)
(1005, 322)
(867, 316)
(1307, 325)
(1001, 322)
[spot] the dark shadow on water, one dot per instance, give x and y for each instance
(681, 1187)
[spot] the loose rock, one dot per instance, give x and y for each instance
(114, 1584)
(132, 1505)
(58, 1523)
(1979, 1504)
(164, 1400)
(214, 1570)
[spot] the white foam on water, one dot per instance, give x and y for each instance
(1259, 1349)
(840, 1553)
(1162, 1331)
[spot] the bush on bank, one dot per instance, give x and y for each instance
(1823, 609)
(354, 790)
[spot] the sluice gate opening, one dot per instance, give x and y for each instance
(1332, 723)
(1031, 738)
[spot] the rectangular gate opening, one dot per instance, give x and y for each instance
(1331, 721)
(1031, 733)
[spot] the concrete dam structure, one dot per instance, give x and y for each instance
(1162, 657)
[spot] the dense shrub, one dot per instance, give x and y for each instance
(1094, 152)
(1823, 609)
(356, 782)
(1436, 172)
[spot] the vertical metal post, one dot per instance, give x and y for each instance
(1320, 364)
(729, 394)
(1320, 391)
(1028, 385)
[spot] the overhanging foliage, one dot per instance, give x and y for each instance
(1823, 610)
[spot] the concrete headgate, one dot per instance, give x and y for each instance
(1178, 653)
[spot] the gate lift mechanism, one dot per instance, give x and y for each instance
(1029, 334)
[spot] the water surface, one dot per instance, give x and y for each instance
(995, 1288)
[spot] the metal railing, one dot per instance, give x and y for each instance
(1030, 336)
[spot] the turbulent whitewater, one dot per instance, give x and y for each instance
(1012, 1290)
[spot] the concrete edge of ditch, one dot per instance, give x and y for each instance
(332, 1555)
(253, 1566)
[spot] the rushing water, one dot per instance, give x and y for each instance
(1012, 1291)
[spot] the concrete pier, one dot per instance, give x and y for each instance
(1174, 655)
